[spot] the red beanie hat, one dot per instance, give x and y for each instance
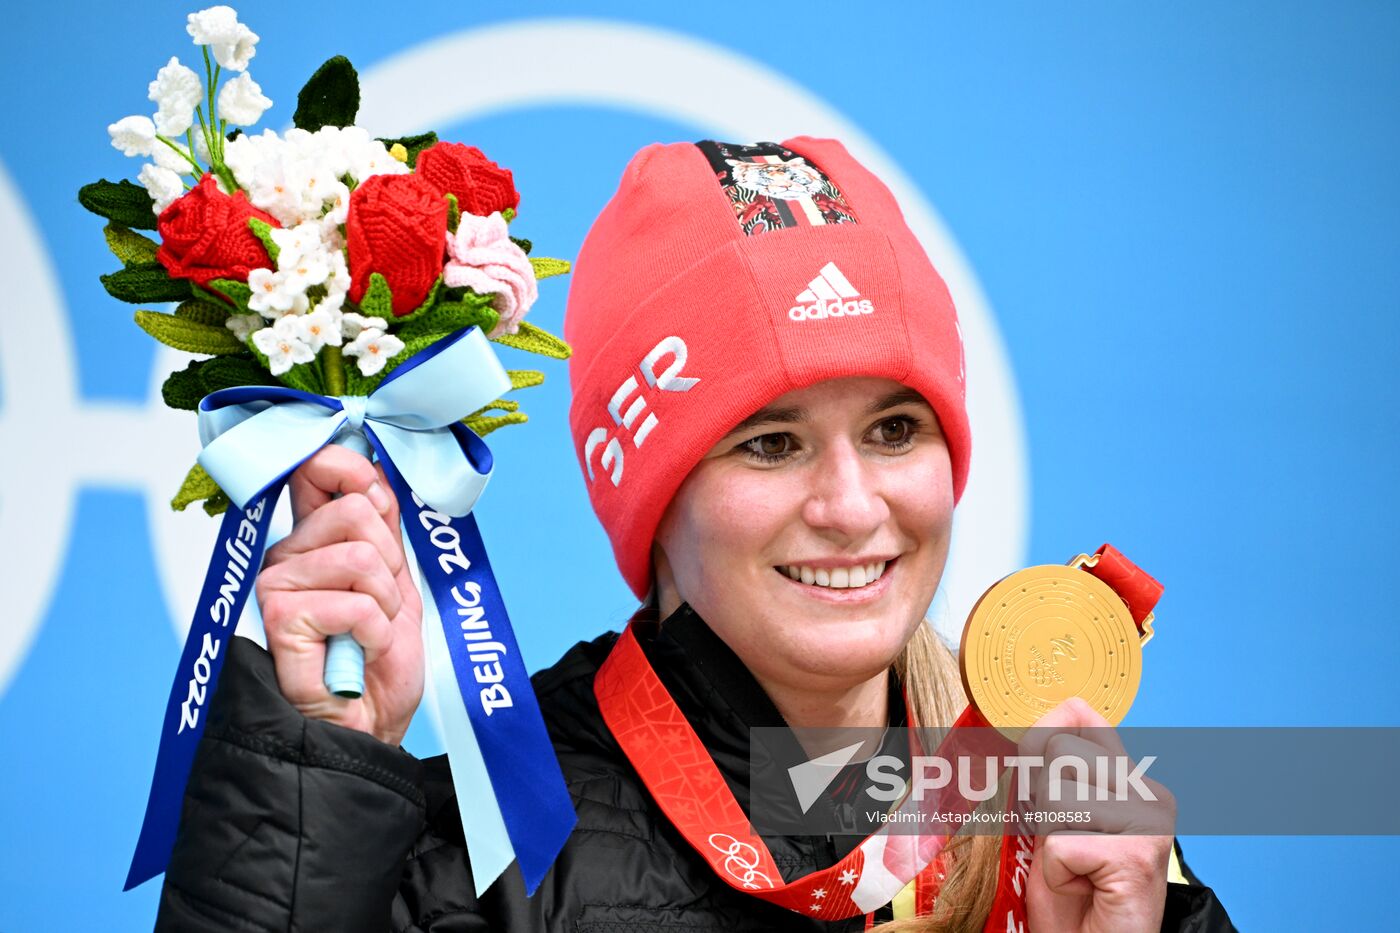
(722, 276)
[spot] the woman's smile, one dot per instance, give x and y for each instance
(843, 583)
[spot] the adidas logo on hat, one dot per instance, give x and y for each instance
(830, 294)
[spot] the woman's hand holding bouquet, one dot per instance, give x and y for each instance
(343, 570)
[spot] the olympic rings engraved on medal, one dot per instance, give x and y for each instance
(744, 856)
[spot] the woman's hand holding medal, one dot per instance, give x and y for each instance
(1109, 873)
(343, 569)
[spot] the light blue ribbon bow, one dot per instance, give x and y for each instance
(255, 435)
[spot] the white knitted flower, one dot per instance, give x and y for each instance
(236, 55)
(338, 283)
(283, 345)
(352, 324)
(243, 325)
(245, 154)
(215, 24)
(373, 348)
(177, 91)
(231, 42)
(340, 270)
(334, 301)
(281, 177)
(241, 101)
(296, 242)
(371, 158)
(163, 185)
(277, 186)
(173, 159)
(269, 294)
(307, 270)
(297, 177)
(133, 136)
(318, 185)
(321, 327)
(337, 207)
(302, 143)
(332, 145)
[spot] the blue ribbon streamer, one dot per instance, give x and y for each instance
(254, 438)
(238, 554)
(495, 688)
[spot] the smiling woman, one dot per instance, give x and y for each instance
(769, 411)
(809, 537)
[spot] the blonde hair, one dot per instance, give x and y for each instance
(934, 687)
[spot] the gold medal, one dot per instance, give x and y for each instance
(1045, 634)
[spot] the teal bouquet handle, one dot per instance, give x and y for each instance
(345, 658)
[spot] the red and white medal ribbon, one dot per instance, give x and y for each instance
(685, 782)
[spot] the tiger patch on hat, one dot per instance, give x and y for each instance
(771, 187)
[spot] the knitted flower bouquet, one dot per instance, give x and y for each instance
(319, 259)
(350, 290)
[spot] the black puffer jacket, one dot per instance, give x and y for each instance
(292, 824)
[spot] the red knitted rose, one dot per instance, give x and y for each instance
(480, 185)
(204, 235)
(397, 227)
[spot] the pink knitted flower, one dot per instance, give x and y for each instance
(481, 256)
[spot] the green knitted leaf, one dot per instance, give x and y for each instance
(484, 425)
(414, 145)
(536, 340)
(263, 231)
(129, 246)
(187, 335)
(545, 267)
(378, 299)
(232, 290)
(330, 98)
(524, 378)
(303, 376)
(508, 214)
(500, 404)
(523, 243)
(198, 485)
(122, 202)
(147, 283)
(183, 389)
(226, 372)
(202, 312)
(454, 213)
(207, 293)
(217, 504)
(356, 384)
(450, 316)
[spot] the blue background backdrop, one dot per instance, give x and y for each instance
(1184, 217)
